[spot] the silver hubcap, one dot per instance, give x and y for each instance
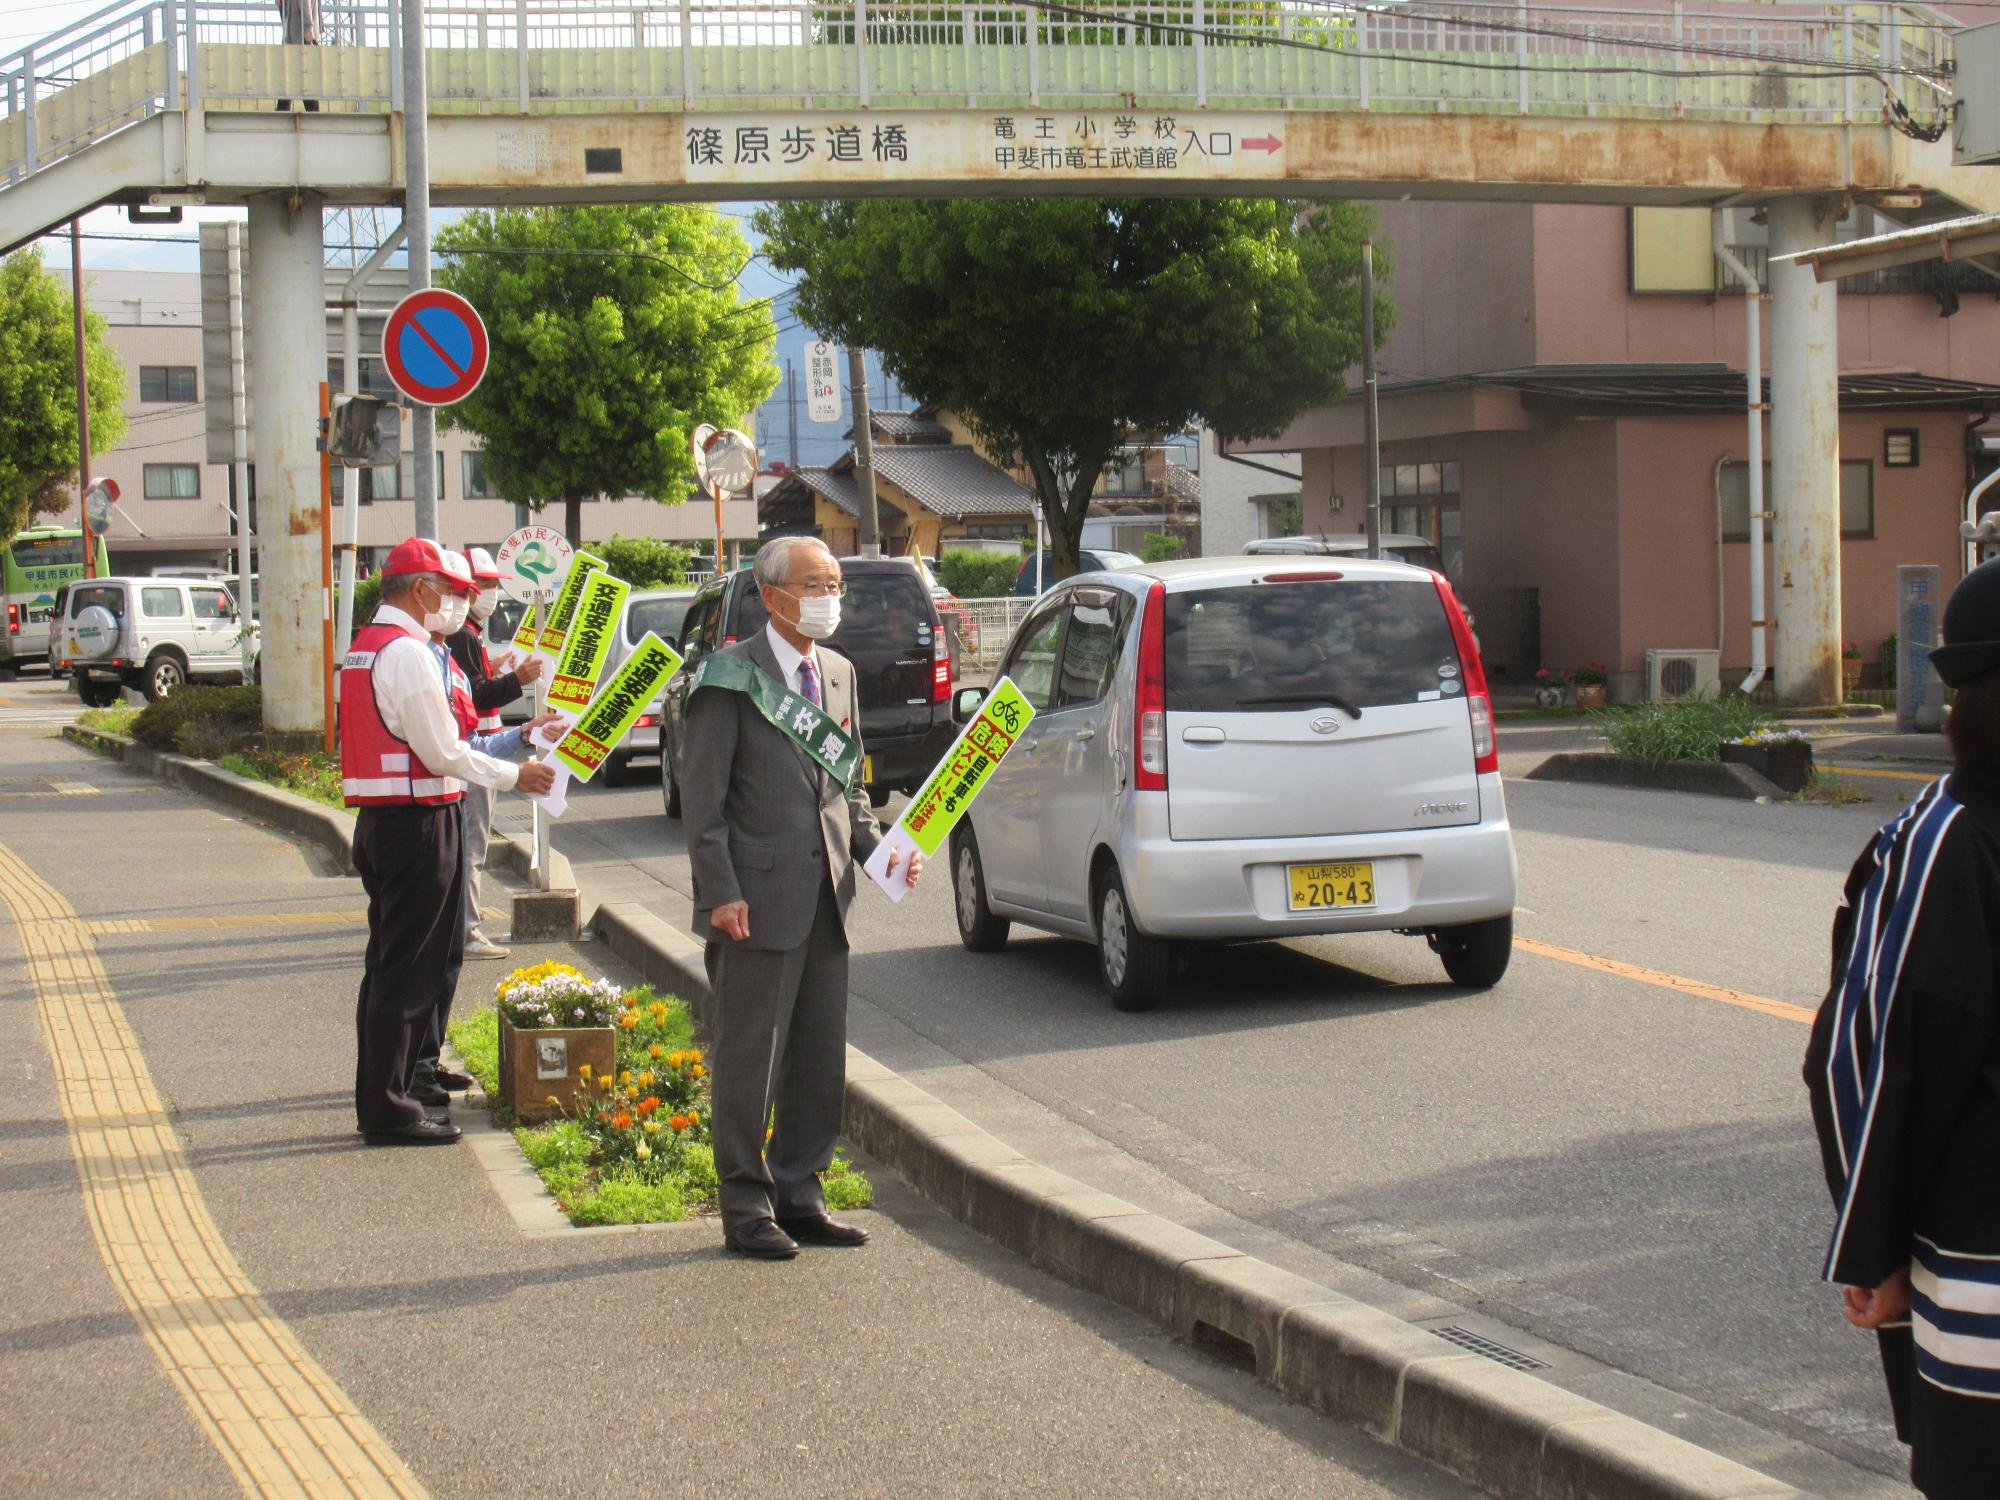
(968, 898)
(1111, 937)
(166, 677)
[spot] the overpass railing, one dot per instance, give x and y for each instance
(1830, 62)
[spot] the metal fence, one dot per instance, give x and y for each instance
(1840, 60)
(984, 628)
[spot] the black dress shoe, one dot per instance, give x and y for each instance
(416, 1133)
(451, 1078)
(425, 1090)
(824, 1231)
(762, 1240)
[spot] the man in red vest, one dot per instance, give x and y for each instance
(404, 765)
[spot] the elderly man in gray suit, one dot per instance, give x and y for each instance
(775, 838)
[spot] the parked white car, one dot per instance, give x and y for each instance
(1235, 748)
(152, 634)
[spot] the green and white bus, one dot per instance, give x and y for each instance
(37, 562)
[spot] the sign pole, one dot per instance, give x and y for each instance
(325, 566)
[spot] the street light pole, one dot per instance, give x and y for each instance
(864, 455)
(1371, 431)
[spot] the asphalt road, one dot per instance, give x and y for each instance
(1616, 1176)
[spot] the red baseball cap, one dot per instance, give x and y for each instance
(419, 554)
(454, 566)
(484, 569)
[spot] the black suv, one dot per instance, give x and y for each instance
(889, 628)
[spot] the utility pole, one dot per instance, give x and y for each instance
(864, 454)
(791, 415)
(1371, 431)
(82, 399)
(417, 226)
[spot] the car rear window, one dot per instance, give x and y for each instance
(1283, 646)
(883, 612)
(661, 616)
(107, 596)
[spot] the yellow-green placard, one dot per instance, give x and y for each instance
(555, 631)
(589, 642)
(529, 632)
(617, 706)
(966, 767)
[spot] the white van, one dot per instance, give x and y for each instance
(1231, 748)
(152, 634)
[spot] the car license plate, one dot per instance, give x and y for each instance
(1317, 887)
(867, 769)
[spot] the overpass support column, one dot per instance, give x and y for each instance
(287, 318)
(1805, 457)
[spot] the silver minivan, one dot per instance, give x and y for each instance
(1235, 748)
(661, 611)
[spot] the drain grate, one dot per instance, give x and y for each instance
(1500, 1354)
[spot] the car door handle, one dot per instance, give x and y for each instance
(1202, 736)
(1084, 734)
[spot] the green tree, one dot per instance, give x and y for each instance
(38, 447)
(614, 332)
(1159, 547)
(1059, 327)
(644, 563)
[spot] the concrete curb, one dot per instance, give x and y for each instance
(1712, 778)
(1503, 1430)
(538, 915)
(329, 828)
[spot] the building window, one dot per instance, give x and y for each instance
(404, 474)
(1899, 448)
(166, 383)
(173, 481)
(473, 482)
(1422, 500)
(1126, 478)
(1857, 500)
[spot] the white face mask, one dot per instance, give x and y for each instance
(819, 616)
(485, 604)
(433, 619)
(453, 612)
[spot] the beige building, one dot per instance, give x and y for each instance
(175, 506)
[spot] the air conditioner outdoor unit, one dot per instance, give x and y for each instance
(1683, 674)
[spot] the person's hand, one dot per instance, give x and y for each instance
(529, 670)
(539, 721)
(731, 919)
(536, 777)
(916, 866)
(1872, 1307)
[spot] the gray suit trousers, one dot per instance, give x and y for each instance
(780, 1032)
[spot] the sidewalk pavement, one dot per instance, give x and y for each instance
(207, 1283)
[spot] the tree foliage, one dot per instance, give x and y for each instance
(614, 331)
(643, 562)
(38, 441)
(1061, 328)
(979, 575)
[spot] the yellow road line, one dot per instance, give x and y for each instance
(1779, 1008)
(279, 1421)
(1892, 775)
(123, 926)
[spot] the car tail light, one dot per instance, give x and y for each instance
(1151, 737)
(1478, 701)
(13, 619)
(729, 640)
(1302, 578)
(940, 666)
(647, 721)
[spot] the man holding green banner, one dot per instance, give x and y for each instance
(776, 825)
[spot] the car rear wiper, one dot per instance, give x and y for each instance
(1332, 700)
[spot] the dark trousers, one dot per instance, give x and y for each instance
(780, 1033)
(430, 1041)
(414, 874)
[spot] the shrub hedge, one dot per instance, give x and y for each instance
(206, 714)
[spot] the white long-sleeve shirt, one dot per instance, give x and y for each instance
(410, 695)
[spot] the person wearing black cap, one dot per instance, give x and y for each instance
(1904, 1073)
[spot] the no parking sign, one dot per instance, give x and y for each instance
(434, 347)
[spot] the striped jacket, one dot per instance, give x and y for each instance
(1904, 1073)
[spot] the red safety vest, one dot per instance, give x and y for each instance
(376, 768)
(489, 722)
(462, 708)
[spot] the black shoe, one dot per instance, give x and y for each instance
(824, 1231)
(451, 1078)
(762, 1240)
(426, 1090)
(416, 1133)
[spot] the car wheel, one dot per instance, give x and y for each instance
(978, 928)
(97, 694)
(1135, 967)
(670, 789)
(1476, 955)
(165, 675)
(613, 773)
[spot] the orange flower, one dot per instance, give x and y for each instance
(677, 1123)
(648, 1104)
(699, 1071)
(694, 1118)
(621, 1121)
(656, 1052)
(629, 1020)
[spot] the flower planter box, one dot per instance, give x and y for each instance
(1590, 695)
(550, 1061)
(1787, 763)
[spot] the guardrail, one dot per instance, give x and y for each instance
(1837, 61)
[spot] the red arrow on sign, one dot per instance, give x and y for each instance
(1261, 143)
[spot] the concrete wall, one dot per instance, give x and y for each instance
(1463, 285)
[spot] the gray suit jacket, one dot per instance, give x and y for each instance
(762, 825)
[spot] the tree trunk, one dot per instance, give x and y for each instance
(573, 519)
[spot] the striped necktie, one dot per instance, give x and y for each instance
(809, 681)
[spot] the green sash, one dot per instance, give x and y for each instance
(825, 743)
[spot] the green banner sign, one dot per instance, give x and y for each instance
(589, 644)
(608, 717)
(528, 634)
(825, 743)
(555, 631)
(963, 772)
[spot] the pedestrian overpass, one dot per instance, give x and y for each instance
(1803, 107)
